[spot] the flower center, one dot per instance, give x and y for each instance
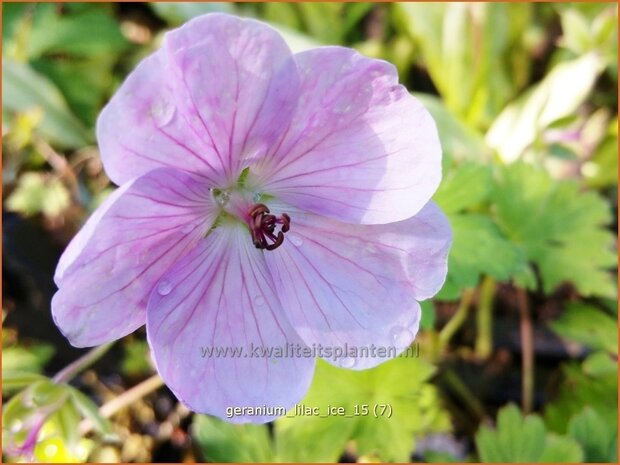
(263, 227)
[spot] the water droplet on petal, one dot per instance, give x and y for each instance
(401, 337)
(162, 112)
(221, 197)
(257, 197)
(342, 107)
(295, 240)
(164, 287)
(259, 300)
(347, 362)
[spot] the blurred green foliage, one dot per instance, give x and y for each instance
(525, 99)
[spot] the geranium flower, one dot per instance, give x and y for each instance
(266, 199)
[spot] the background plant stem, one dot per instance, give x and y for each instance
(527, 352)
(457, 320)
(484, 318)
(86, 360)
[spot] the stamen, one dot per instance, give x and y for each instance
(263, 227)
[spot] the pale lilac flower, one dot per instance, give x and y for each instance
(223, 118)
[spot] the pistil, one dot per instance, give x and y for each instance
(263, 227)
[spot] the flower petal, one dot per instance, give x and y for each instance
(220, 297)
(360, 148)
(358, 284)
(141, 129)
(111, 266)
(237, 82)
(214, 97)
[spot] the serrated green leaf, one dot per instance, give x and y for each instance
(589, 326)
(561, 228)
(523, 440)
(400, 383)
(478, 248)
(464, 187)
(596, 439)
(560, 449)
(600, 364)
(598, 391)
(227, 442)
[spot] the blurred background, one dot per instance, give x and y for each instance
(518, 352)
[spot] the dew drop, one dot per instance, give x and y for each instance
(259, 300)
(295, 240)
(257, 197)
(164, 287)
(221, 197)
(401, 337)
(347, 362)
(342, 107)
(162, 112)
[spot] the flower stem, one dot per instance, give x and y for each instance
(484, 318)
(527, 352)
(86, 360)
(124, 400)
(460, 389)
(457, 320)
(130, 396)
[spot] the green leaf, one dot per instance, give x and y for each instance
(400, 384)
(89, 410)
(478, 248)
(560, 449)
(464, 187)
(179, 12)
(228, 442)
(14, 379)
(428, 315)
(599, 364)
(323, 20)
(602, 170)
(576, 31)
(93, 32)
(458, 141)
(297, 41)
(474, 53)
(599, 391)
(136, 358)
(20, 359)
(591, 431)
(84, 83)
(557, 96)
(561, 228)
(523, 439)
(68, 419)
(589, 326)
(24, 89)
